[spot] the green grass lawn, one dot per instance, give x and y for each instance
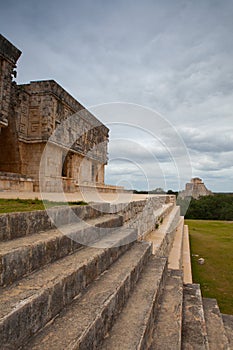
(16, 205)
(213, 241)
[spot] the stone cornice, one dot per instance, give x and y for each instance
(8, 50)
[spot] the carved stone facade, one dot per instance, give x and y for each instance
(42, 113)
(9, 55)
(195, 188)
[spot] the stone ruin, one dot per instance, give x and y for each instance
(29, 114)
(195, 189)
(119, 278)
(105, 276)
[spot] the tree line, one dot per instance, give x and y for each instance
(215, 207)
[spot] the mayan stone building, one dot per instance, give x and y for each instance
(29, 114)
(195, 189)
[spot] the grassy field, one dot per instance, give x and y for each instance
(16, 205)
(213, 241)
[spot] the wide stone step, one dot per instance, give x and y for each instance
(15, 225)
(214, 324)
(175, 259)
(21, 256)
(194, 333)
(28, 305)
(167, 330)
(87, 320)
(133, 328)
(162, 237)
(228, 325)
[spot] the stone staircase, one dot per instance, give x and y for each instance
(117, 278)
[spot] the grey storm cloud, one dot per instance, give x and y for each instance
(133, 150)
(171, 56)
(206, 141)
(214, 162)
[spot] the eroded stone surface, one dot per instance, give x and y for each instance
(24, 255)
(134, 327)
(31, 303)
(89, 318)
(194, 333)
(228, 324)
(214, 324)
(167, 329)
(35, 300)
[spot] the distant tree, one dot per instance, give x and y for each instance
(140, 192)
(216, 207)
(172, 192)
(158, 190)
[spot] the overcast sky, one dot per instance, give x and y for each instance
(174, 57)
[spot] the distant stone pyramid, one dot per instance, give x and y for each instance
(195, 188)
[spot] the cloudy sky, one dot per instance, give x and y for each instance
(159, 73)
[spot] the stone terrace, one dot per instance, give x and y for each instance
(113, 276)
